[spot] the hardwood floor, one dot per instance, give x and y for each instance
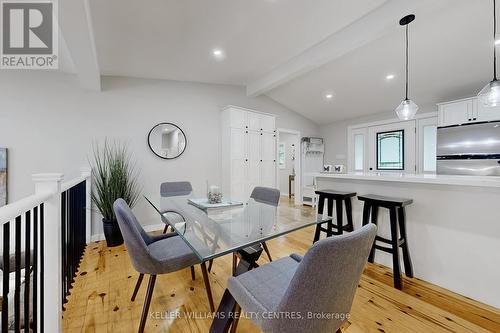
(100, 299)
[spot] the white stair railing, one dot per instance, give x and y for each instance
(32, 243)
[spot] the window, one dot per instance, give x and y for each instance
(281, 155)
(390, 150)
(359, 152)
(429, 147)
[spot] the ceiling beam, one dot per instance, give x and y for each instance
(76, 26)
(366, 29)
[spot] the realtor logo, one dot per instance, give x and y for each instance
(29, 34)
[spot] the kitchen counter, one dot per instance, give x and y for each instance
(453, 226)
(477, 181)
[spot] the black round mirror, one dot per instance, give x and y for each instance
(167, 141)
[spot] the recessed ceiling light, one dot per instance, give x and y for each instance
(390, 77)
(329, 96)
(219, 54)
(497, 41)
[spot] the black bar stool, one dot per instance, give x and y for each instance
(398, 239)
(338, 227)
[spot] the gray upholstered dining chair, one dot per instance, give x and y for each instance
(175, 189)
(323, 281)
(269, 196)
(162, 254)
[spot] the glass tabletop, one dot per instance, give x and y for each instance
(217, 232)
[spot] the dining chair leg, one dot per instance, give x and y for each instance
(165, 229)
(235, 263)
(210, 263)
(237, 314)
(137, 286)
(264, 245)
(147, 303)
(207, 285)
(193, 274)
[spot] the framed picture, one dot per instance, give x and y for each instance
(3, 176)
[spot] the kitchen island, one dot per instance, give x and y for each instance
(453, 226)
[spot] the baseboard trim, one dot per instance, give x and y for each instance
(148, 228)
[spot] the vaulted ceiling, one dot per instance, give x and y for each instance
(294, 51)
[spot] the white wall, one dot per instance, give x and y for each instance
(49, 123)
(335, 134)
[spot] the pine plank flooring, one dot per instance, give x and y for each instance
(100, 298)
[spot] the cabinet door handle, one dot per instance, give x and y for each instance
(261, 160)
(246, 159)
(246, 131)
(474, 118)
(261, 134)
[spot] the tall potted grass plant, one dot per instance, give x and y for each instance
(114, 176)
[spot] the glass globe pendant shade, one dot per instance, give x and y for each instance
(490, 94)
(407, 110)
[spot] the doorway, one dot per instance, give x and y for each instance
(288, 166)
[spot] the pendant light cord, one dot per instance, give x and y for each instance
(406, 92)
(494, 39)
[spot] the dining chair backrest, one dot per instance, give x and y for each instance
(175, 189)
(325, 282)
(134, 236)
(267, 195)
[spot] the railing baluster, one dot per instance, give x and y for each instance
(27, 271)
(42, 266)
(17, 283)
(63, 242)
(36, 235)
(6, 269)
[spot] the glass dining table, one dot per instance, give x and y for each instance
(213, 233)
(216, 232)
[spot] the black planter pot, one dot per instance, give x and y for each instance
(112, 233)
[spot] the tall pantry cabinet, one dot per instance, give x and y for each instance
(248, 152)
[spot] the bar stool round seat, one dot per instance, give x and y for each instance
(397, 218)
(334, 227)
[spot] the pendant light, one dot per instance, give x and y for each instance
(407, 109)
(490, 94)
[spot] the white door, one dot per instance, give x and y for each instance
(239, 164)
(268, 157)
(392, 148)
(267, 123)
(456, 113)
(253, 121)
(238, 118)
(254, 157)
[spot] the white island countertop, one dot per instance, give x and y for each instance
(478, 181)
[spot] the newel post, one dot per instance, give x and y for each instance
(52, 284)
(87, 174)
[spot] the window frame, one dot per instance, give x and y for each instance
(403, 155)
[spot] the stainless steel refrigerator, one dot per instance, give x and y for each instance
(472, 149)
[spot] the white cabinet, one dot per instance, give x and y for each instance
(487, 113)
(248, 152)
(464, 111)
